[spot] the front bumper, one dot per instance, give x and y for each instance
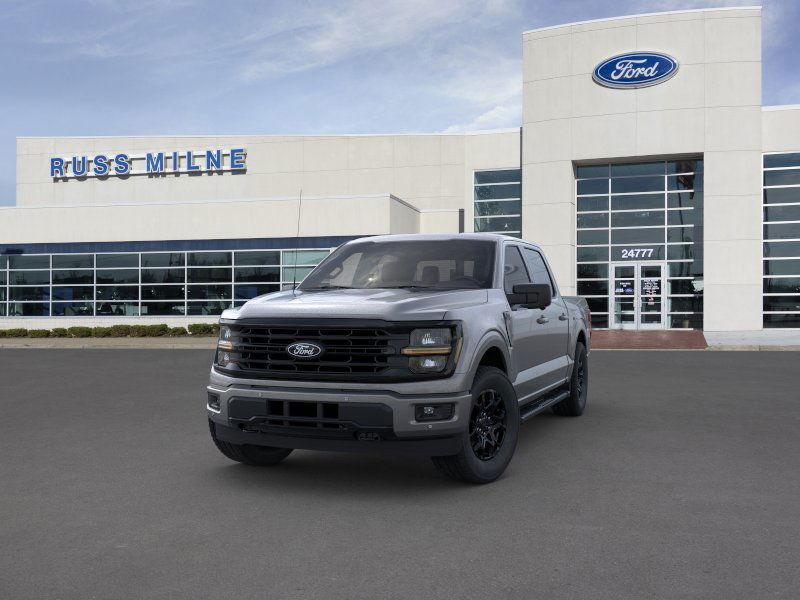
(323, 417)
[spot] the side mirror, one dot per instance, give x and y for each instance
(531, 295)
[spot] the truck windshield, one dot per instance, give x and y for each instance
(428, 264)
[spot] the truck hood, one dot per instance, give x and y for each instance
(386, 304)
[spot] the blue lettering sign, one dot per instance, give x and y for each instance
(176, 162)
(79, 166)
(237, 159)
(123, 165)
(213, 160)
(190, 166)
(154, 163)
(56, 167)
(635, 70)
(100, 164)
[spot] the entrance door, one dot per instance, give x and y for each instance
(637, 295)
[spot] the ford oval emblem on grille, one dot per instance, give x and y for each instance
(304, 350)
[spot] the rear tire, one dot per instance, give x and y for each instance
(492, 430)
(257, 456)
(575, 404)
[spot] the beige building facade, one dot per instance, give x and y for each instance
(670, 202)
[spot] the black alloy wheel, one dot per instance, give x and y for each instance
(487, 424)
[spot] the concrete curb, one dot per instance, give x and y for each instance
(166, 343)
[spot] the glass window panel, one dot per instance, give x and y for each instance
(85, 292)
(683, 217)
(782, 267)
(684, 200)
(257, 274)
(29, 277)
(304, 257)
(637, 219)
(490, 224)
(28, 309)
(118, 276)
(592, 203)
(781, 249)
(684, 166)
(680, 252)
(684, 182)
(29, 262)
(2, 277)
(207, 308)
(590, 171)
(258, 257)
(782, 213)
(3, 262)
(636, 184)
(29, 293)
(648, 168)
(117, 309)
(782, 195)
(209, 292)
(680, 234)
(637, 236)
(782, 303)
(782, 285)
(73, 261)
(73, 277)
(117, 292)
(299, 273)
(680, 269)
(596, 254)
(3, 309)
(496, 192)
(163, 259)
(789, 159)
(638, 252)
(498, 176)
(162, 292)
(209, 259)
(685, 321)
(592, 271)
(2, 294)
(248, 291)
(209, 275)
(537, 268)
(782, 231)
(592, 220)
(788, 320)
(694, 304)
(593, 288)
(637, 202)
(73, 309)
(162, 308)
(488, 209)
(597, 304)
(685, 286)
(592, 236)
(114, 261)
(592, 186)
(599, 321)
(163, 276)
(789, 177)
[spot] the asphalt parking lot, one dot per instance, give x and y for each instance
(680, 481)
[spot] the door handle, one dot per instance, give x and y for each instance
(542, 320)
(562, 317)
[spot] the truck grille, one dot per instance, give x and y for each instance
(261, 351)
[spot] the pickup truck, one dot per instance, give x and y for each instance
(439, 345)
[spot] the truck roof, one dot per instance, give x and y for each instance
(410, 237)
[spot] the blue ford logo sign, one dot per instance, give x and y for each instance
(635, 70)
(304, 350)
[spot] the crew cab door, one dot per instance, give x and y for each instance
(550, 327)
(520, 320)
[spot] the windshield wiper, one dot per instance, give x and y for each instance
(410, 287)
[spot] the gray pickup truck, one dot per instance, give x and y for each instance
(439, 345)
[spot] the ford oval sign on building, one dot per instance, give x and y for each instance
(635, 70)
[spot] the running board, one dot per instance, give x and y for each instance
(532, 409)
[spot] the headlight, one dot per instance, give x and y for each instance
(429, 350)
(224, 346)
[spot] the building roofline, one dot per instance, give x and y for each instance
(652, 14)
(781, 107)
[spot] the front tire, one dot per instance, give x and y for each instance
(491, 435)
(257, 456)
(575, 404)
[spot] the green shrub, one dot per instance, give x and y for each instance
(215, 329)
(2, 333)
(38, 333)
(120, 330)
(101, 332)
(157, 330)
(17, 332)
(80, 332)
(59, 332)
(177, 331)
(203, 329)
(138, 330)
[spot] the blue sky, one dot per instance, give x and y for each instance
(151, 67)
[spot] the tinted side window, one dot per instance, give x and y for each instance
(537, 268)
(514, 270)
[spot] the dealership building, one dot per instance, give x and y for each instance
(645, 166)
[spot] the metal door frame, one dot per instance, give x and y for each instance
(637, 324)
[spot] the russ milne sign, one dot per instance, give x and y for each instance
(635, 70)
(151, 163)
